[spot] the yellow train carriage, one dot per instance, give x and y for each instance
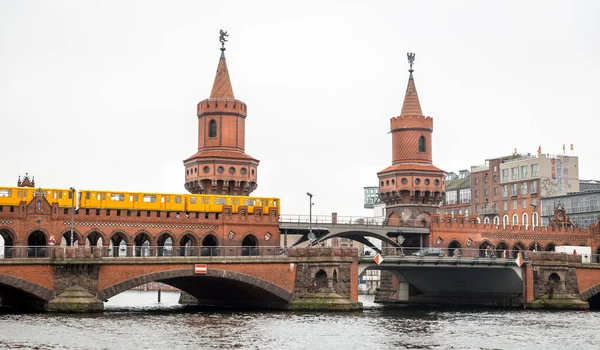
(197, 202)
(12, 196)
(132, 200)
(64, 197)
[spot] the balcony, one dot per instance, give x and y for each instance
(487, 211)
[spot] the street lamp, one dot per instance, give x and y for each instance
(310, 234)
(72, 213)
(533, 225)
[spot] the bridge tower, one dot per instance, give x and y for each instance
(220, 165)
(412, 188)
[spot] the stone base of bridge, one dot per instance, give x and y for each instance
(75, 299)
(324, 302)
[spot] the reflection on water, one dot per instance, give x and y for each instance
(135, 320)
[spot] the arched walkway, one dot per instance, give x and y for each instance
(210, 245)
(36, 244)
(249, 245)
(8, 241)
(118, 244)
(503, 250)
(142, 244)
(165, 244)
(188, 245)
(454, 248)
(550, 247)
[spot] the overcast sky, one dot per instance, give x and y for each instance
(102, 95)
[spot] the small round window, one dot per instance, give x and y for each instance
(393, 181)
(404, 181)
(231, 170)
(206, 169)
(387, 182)
(417, 181)
(426, 181)
(437, 182)
(220, 169)
(252, 172)
(243, 171)
(381, 183)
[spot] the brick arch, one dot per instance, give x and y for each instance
(210, 233)
(151, 240)
(76, 234)
(12, 235)
(269, 287)
(100, 233)
(166, 233)
(590, 292)
(253, 234)
(30, 288)
(42, 230)
(194, 238)
(120, 233)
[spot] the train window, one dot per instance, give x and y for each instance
(177, 199)
(275, 203)
(249, 202)
(202, 199)
(193, 200)
(87, 195)
(149, 198)
(220, 200)
(103, 196)
(5, 193)
(167, 198)
(119, 197)
(70, 194)
(98, 196)
(54, 195)
(25, 193)
(19, 193)
(135, 197)
(60, 195)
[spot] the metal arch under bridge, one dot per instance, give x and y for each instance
(354, 228)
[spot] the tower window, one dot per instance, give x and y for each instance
(212, 128)
(422, 144)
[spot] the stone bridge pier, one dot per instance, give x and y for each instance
(304, 278)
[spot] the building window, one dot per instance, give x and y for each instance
(524, 172)
(476, 181)
(533, 187)
(515, 173)
(417, 181)
(505, 205)
(477, 208)
(464, 195)
(534, 170)
(495, 191)
(515, 220)
(524, 206)
(485, 192)
(496, 179)
(504, 175)
(422, 144)
(212, 128)
(513, 189)
(485, 178)
(476, 193)
(404, 181)
(504, 190)
(524, 188)
(534, 219)
(505, 220)
(514, 204)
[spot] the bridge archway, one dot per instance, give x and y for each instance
(165, 242)
(36, 244)
(210, 245)
(8, 238)
(249, 245)
(518, 246)
(502, 249)
(453, 246)
(118, 244)
(65, 237)
(22, 293)
(321, 279)
(142, 241)
(550, 247)
(188, 244)
(592, 295)
(223, 288)
(94, 238)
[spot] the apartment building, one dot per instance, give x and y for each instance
(507, 190)
(458, 194)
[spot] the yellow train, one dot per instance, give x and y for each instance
(93, 199)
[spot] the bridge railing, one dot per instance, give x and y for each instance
(136, 252)
(315, 220)
(465, 254)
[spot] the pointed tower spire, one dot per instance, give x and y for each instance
(222, 85)
(411, 105)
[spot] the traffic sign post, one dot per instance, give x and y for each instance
(200, 269)
(378, 259)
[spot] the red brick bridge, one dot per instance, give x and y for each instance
(277, 281)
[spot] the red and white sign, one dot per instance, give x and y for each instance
(378, 259)
(200, 269)
(519, 260)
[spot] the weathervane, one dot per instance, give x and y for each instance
(222, 35)
(411, 60)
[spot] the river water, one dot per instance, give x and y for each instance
(135, 320)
